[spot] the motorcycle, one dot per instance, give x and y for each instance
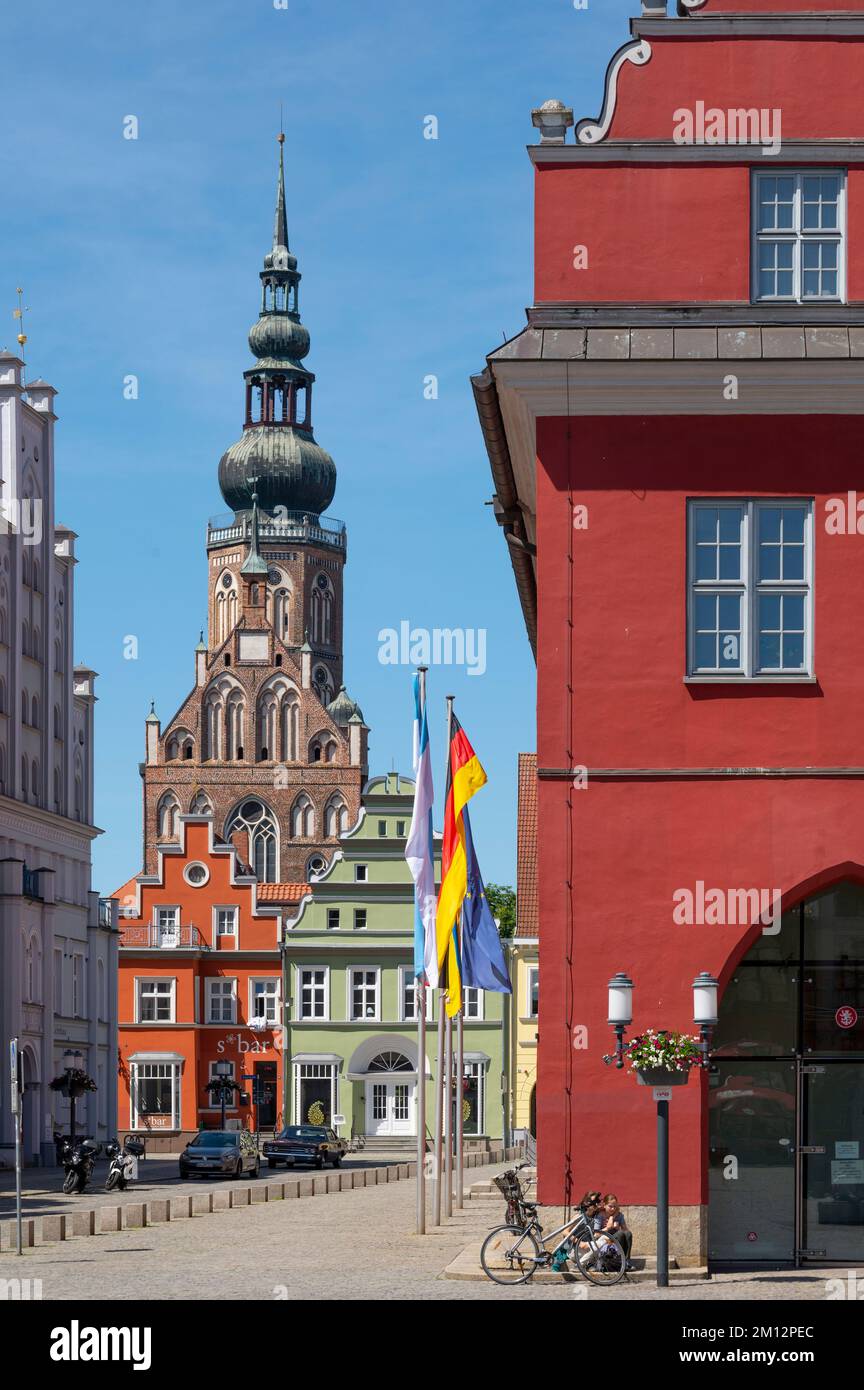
(78, 1159)
(121, 1166)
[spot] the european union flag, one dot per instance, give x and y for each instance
(483, 965)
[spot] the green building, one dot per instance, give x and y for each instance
(351, 1026)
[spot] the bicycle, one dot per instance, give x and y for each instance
(512, 1253)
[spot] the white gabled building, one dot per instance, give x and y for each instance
(58, 940)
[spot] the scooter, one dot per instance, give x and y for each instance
(121, 1165)
(78, 1159)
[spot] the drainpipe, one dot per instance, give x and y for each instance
(286, 1027)
(506, 1059)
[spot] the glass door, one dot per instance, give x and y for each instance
(832, 1157)
(751, 1172)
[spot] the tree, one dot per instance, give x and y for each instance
(502, 900)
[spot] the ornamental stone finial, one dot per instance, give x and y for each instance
(552, 119)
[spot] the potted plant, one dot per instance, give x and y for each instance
(662, 1058)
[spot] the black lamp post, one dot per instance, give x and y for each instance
(224, 1079)
(72, 1063)
(705, 989)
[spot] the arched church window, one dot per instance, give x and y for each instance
(260, 824)
(201, 805)
(303, 817)
(336, 815)
(168, 817)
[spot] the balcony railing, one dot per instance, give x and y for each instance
(288, 526)
(149, 938)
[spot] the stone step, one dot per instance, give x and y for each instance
(467, 1267)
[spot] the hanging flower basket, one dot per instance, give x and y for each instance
(662, 1058)
(661, 1076)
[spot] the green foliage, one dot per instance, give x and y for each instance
(502, 900)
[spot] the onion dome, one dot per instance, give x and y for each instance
(277, 455)
(343, 709)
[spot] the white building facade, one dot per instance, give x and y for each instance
(58, 940)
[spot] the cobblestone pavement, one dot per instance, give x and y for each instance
(342, 1246)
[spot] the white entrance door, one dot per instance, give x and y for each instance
(390, 1108)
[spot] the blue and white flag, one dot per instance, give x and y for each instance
(419, 849)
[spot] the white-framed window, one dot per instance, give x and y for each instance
(382, 827)
(363, 993)
(799, 235)
(313, 992)
(408, 996)
(221, 1000)
(472, 1003)
(332, 919)
(154, 1095)
(155, 1000)
(58, 982)
(225, 922)
(316, 1086)
(750, 603)
(213, 1102)
(78, 1000)
(400, 829)
(196, 875)
(360, 873)
(167, 921)
(264, 999)
(533, 972)
(359, 919)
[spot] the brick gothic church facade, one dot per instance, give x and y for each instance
(268, 741)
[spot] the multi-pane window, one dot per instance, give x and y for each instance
(799, 224)
(360, 875)
(400, 829)
(313, 992)
(156, 1001)
(155, 1099)
(226, 921)
(221, 995)
(264, 1000)
(382, 827)
(408, 993)
(750, 581)
(364, 994)
(472, 1003)
(533, 991)
(359, 919)
(332, 919)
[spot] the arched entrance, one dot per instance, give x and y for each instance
(786, 1093)
(387, 1066)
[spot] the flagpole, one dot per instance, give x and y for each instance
(421, 1106)
(420, 996)
(448, 1117)
(448, 1034)
(460, 1085)
(439, 1106)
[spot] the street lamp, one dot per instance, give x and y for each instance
(224, 1074)
(620, 1011)
(705, 989)
(72, 1062)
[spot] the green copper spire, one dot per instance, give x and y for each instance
(254, 562)
(280, 228)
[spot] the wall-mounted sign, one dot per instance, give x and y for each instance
(846, 1016)
(847, 1170)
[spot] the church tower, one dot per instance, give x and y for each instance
(268, 742)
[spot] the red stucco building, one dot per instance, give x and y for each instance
(676, 446)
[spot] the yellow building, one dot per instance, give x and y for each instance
(525, 960)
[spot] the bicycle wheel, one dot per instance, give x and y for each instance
(509, 1255)
(603, 1265)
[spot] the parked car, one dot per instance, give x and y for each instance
(313, 1144)
(229, 1152)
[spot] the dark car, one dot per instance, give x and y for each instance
(314, 1144)
(221, 1152)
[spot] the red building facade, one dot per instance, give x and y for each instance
(676, 443)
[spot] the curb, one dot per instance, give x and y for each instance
(108, 1220)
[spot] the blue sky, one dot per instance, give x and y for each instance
(143, 256)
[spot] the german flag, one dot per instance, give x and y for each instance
(465, 776)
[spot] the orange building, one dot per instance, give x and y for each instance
(200, 982)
